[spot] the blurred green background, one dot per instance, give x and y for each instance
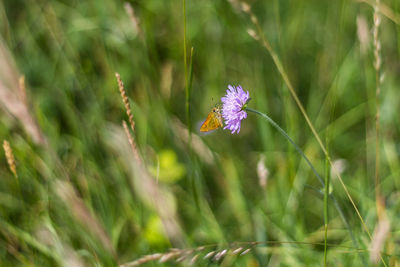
(81, 199)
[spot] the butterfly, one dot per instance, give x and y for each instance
(213, 120)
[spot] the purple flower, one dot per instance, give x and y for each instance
(233, 105)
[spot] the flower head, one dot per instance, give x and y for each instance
(233, 105)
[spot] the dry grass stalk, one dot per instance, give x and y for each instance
(68, 194)
(363, 33)
(245, 252)
(168, 256)
(236, 251)
(130, 117)
(253, 34)
(377, 66)
(22, 89)
(340, 165)
(216, 255)
(377, 43)
(145, 259)
(191, 255)
(131, 142)
(142, 182)
(209, 255)
(378, 240)
(126, 101)
(382, 230)
(201, 248)
(220, 254)
(194, 259)
(11, 98)
(134, 19)
(236, 5)
(10, 158)
(181, 258)
(262, 172)
(245, 7)
(384, 9)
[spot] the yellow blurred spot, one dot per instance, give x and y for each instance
(154, 232)
(170, 170)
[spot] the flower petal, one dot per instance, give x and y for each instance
(232, 107)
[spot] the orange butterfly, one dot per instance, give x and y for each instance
(213, 121)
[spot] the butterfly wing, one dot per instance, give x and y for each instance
(212, 122)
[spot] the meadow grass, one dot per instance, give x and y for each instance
(103, 162)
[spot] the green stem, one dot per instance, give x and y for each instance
(185, 61)
(188, 77)
(285, 77)
(276, 126)
(326, 197)
(184, 42)
(28, 239)
(188, 96)
(337, 206)
(188, 88)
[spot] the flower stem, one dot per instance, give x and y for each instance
(326, 191)
(276, 126)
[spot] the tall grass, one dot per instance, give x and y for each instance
(78, 187)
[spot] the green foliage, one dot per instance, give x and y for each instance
(83, 198)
